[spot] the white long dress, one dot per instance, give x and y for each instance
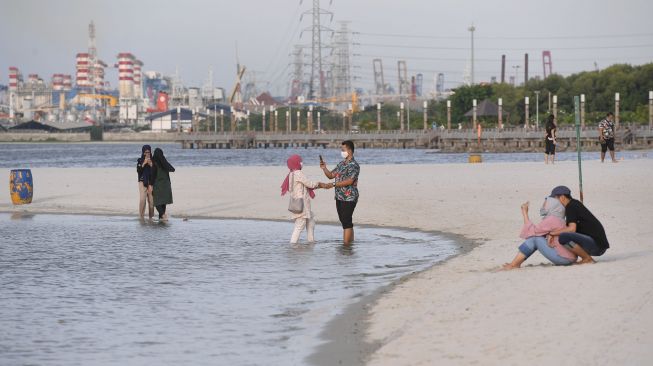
(306, 219)
(300, 183)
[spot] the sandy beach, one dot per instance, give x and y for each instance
(463, 311)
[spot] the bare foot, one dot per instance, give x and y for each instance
(508, 267)
(615, 161)
(586, 261)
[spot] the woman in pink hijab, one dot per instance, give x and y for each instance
(300, 187)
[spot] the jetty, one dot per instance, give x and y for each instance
(492, 140)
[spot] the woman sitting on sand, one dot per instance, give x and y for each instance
(162, 191)
(553, 213)
(300, 188)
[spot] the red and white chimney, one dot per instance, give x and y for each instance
(126, 75)
(14, 78)
(82, 74)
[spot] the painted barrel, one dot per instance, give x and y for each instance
(21, 186)
(475, 158)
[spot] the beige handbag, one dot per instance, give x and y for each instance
(296, 205)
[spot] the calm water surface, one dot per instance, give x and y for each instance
(125, 155)
(82, 290)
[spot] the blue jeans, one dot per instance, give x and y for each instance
(585, 241)
(539, 243)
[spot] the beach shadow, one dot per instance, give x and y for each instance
(22, 215)
(622, 256)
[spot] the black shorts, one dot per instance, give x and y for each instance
(550, 147)
(345, 213)
(607, 144)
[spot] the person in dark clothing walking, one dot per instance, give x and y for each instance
(584, 234)
(144, 169)
(162, 187)
(550, 140)
(606, 136)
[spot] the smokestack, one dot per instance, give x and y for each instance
(503, 69)
(525, 68)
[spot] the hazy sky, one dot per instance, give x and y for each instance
(42, 36)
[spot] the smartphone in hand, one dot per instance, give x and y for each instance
(321, 160)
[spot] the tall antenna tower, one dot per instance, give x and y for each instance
(402, 73)
(316, 28)
(92, 54)
(207, 89)
(297, 84)
(379, 81)
(342, 66)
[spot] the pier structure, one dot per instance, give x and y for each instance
(491, 140)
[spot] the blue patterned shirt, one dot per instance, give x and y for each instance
(343, 171)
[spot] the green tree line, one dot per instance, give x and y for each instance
(633, 83)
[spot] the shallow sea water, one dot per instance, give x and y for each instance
(97, 155)
(82, 290)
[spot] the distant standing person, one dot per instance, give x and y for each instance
(346, 188)
(550, 140)
(144, 169)
(162, 191)
(606, 135)
(584, 234)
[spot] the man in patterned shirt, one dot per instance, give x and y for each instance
(606, 135)
(346, 188)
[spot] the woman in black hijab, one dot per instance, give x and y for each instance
(162, 187)
(144, 169)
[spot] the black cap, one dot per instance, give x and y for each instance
(560, 191)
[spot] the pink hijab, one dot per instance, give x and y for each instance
(294, 163)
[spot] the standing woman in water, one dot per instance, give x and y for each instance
(162, 188)
(144, 169)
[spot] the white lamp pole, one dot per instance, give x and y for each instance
(378, 116)
(426, 104)
(500, 112)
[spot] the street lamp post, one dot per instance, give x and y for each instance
(288, 122)
(276, 120)
(537, 109)
(378, 116)
(526, 103)
(448, 114)
(248, 120)
(650, 109)
(401, 116)
(582, 111)
(178, 118)
(426, 104)
(215, 118)
(222, 120)
(319, 125)
(309, 120)
(474, 113)
(616, 110)
(500, 113)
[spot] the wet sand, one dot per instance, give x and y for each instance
(460, 312)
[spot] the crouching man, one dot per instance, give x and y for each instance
(584, 235)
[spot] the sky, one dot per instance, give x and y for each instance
(43, 36)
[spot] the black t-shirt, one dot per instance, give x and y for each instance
(549, 131)
(586, 223)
